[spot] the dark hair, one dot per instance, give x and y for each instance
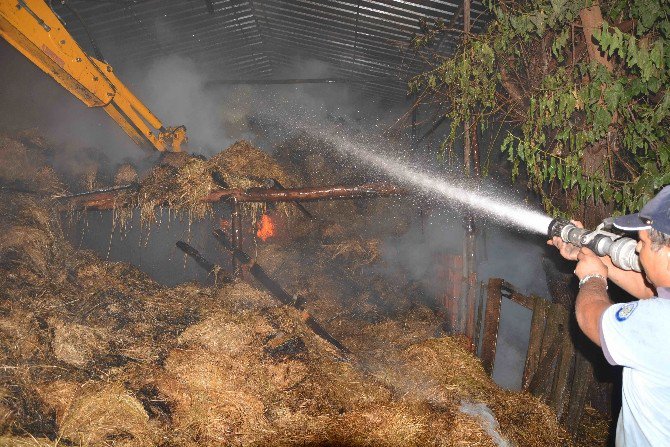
(658, 239)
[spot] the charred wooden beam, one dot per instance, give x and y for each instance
(491, 323)
(273, 287)
(276, 290)
(109, 200)
(195, 254)
(274, 183)
(307, 194)
(113, 189)
(199, 259)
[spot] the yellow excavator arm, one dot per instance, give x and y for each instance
(33, 28)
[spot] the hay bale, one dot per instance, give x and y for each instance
(215, 399)
(26, 246)
(25, 441)
(76, 344)
(245, 166)
(24, 168)
(20, 336)
(223, 337)
(103, 413)
(30, 235)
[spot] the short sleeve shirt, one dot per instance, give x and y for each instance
(636, 336)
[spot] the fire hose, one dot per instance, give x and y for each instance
(619, 248)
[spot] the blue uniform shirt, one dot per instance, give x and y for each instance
(636, 336)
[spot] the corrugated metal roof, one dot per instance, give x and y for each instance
(259, 39)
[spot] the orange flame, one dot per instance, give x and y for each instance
(266, 228)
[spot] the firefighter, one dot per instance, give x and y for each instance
(635, 335)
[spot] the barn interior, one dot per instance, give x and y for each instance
(291, 274)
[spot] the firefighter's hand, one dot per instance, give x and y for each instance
(567, 250)
(589, 264)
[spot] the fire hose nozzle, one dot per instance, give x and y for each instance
(619, 248)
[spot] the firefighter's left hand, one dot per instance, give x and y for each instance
(567, 250)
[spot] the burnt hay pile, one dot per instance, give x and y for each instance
(95, 353)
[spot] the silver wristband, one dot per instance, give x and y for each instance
(594, 275)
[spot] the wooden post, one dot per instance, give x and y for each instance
(475, 151)
(236, 233)
(466, 316)
(491, 323)
(537, 324)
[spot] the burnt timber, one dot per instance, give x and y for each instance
(113, 199)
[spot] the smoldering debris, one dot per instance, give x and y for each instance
(95, 353)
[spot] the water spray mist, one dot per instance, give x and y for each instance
(494, 207)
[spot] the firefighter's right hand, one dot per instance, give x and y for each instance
(567, 250)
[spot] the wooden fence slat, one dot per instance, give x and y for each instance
(550, 342)
(581, 382)
(513, 295)
(538, 321)
(471, 303)
(559, 392)
(543, 377)
(480, 313)
(491, 323)
(551, 328)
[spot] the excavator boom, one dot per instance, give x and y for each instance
(33, 28)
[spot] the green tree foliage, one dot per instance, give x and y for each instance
(581, 128)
